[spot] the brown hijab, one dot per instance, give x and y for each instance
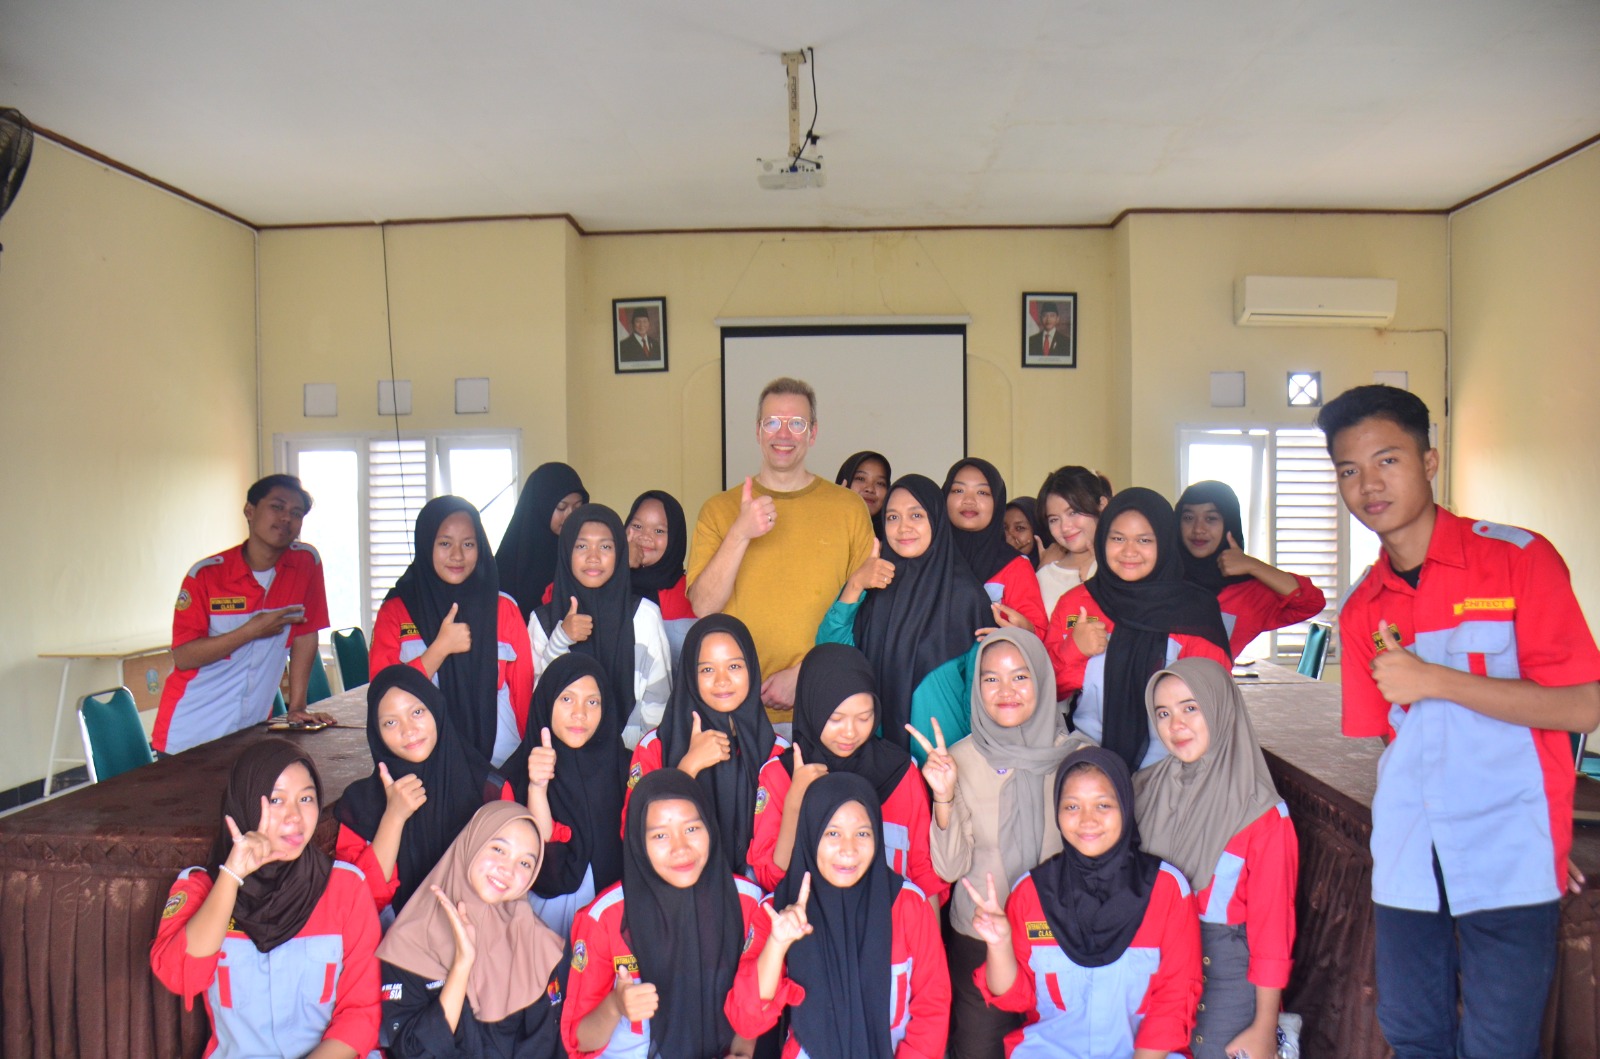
(516, 951)
(1188, 813)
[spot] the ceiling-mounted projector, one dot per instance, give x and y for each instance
(786, 174)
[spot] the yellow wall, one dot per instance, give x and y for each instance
(1525, 272)
(127, 413)
(1178, 278)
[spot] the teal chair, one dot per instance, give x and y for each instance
(1315, 652)
(317, 688)
(279, 707)
(113, 737)
(350, 648)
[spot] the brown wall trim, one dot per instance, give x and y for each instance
(827, 230)
(90, 153)
(429, 220)
(1552, 160)
(1135, 211)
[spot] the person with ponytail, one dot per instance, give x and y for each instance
(654, 958)
(1255, 597)
(277, 936)
(447, 618)
(658, 543)
(468, 968)
(527, 552)
(1137, 614)
(593, 610)
(854, 955)
(1098, 948)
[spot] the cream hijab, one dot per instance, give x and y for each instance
(1188, 813)
(516, 951)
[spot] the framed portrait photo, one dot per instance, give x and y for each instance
(639, 329)
(1049, 330)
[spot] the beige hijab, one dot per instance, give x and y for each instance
(1187, 814)
(516, 951)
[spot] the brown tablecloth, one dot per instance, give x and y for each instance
(1328, 782)
(82, 881)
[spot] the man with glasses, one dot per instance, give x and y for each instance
(775, 551)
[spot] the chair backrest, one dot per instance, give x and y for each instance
(279, 707)
(317, 688)
(350, 648)
(113, 737)
(1315, 652)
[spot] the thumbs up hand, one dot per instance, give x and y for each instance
(1089, 634)
(1232, 560)
(578, 627)
(757, 514)
(455, 637)
(876, 572)
(542, 761)
(1401, 676)
(707, 747)
(403, 796)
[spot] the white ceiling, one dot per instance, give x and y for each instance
(933, 112)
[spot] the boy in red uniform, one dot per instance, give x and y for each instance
(236, 613)
(1465, 650)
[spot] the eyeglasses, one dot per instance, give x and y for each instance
(796, 424)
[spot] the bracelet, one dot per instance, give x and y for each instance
(230, 871)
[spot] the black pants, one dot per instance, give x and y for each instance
(977, 1031)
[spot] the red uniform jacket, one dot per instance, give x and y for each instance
(1250, 608)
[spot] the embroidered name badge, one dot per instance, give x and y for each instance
(761, 799)
(409, 628)
(580, 957)
(392, 991)
(634, 775)
(227, 604)
(628, 963)
(1394, 631)
(1040, 931)
(1509, 603)
(553, 992)
(183, 599)
(175, 902)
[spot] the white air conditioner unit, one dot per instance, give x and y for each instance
(1314, 301)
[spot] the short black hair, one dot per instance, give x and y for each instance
(259, 491)
(1401, 407)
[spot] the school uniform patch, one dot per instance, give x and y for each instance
(553, 992)
(1394, 631)
(636, 773)
(227, 604)
(175, 902)
(1466, 605)
(409, 628)
(1040, 931)
(628, 963)
(184, 599)
(761, 800)
(392, 991)
(580, 957)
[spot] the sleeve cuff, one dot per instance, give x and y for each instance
(560, 832)
(1162, 1034)
(1017, 998)
(1269, 974)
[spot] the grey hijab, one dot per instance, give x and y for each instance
(1189, 813)
(1031, 752)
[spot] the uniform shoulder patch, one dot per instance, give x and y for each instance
(184, 599)
(762, 797)
(580, 956)
(1510, 534)
(174, 903)
(636, 773)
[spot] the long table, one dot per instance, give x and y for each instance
(1328, 782)
(82, 881)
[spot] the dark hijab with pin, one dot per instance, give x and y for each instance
(527, 555)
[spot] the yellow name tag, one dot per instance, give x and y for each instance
(1040, 932)
(409, 628)
(227, 604)
(629, 963)
(1509, 603)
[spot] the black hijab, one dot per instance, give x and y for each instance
(586, 793)
(1030, 510)
(1095, 905)
(457, 779)
(687, 941)
(527, 554)
(844, 962)
(650, 581)
(985, 550)
(1203, 570)
(1144, 613)
(612, 606)
(470, 681)
(847, 474)
(829, 674)
(277, 898)
(925, 617)
(729, 787)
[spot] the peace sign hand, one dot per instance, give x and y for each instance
(939, 770)
(989, 920)
(542, 762)
(465, 933)
(790, 925)
(253, 849)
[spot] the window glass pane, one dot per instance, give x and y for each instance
(333, 526)
(397, 487)
(1223, 462)
(487, 478)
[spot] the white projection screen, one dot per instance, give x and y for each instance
(898, 389)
